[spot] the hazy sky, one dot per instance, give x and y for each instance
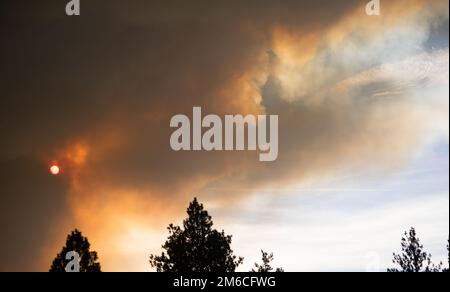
(363, 122)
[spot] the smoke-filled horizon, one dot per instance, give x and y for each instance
(359, 98)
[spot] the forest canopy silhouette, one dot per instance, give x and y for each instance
(197, 247)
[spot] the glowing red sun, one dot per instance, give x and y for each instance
(54, 169)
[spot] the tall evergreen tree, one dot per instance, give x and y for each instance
(76, 242)
(196, 247)
(413, 257)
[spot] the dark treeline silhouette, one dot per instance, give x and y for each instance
(413, 258)
(80, 244)
(198, 247)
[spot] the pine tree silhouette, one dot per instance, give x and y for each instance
(76, 242)
(196, 247)
(265, 267)
(446, 269)
(413, 258)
